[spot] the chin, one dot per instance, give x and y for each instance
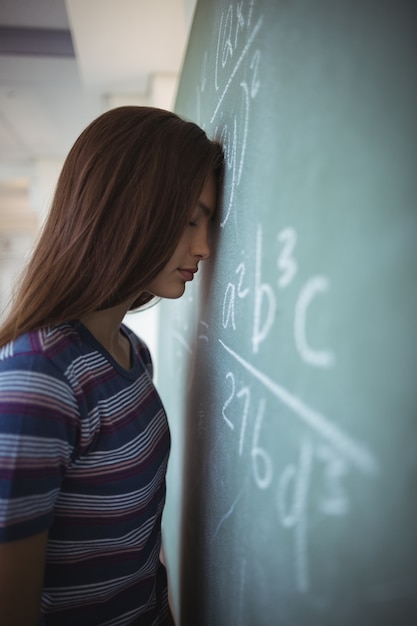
(169, 295)
(176, 295)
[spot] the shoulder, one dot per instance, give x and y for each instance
(45, 342)
(40, 355)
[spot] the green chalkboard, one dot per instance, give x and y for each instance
(289, 368)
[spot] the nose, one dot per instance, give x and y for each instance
(201, 245)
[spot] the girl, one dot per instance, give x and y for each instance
(84, 440)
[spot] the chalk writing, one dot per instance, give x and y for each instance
(286, 263)
(261, 460)
(264, 299)
(354, 451)
(334, 499)
(229, 376)
(319, 358)
(236, 53)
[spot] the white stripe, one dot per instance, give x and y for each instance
(142, 445)
(21, 446)
(35, 382)
(75, 551)
(17, 510)
(89, 503)
(77, 595)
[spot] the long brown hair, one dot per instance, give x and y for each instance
(122, 201)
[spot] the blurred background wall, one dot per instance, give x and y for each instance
(62, 63)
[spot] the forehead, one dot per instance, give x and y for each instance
(207, 200)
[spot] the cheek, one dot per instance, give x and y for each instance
(180, 249)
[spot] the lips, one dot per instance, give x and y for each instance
(187, 273)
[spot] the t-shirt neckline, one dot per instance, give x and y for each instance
(88, 336)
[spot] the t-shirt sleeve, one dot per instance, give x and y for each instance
(38, 433)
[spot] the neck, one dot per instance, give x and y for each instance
(105, 326)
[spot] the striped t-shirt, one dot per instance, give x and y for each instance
(84, 448)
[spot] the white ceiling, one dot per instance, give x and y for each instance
(125, 51)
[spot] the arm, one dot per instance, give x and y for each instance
(21, 579)
(36, 435)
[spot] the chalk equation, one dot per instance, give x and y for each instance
(235, 51)
(337, 455)
(263, 299)
(249, 397)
